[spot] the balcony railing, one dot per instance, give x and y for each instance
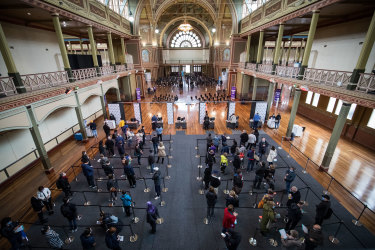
(251, 66)
(106, 70)
(265, 68)
(327, 77)
(286, 71)
(81, 74)
(44, 80)
(120, 68)
(366, 83)
(7, 86)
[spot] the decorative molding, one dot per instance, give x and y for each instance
(256, 18)
(114, 20)
(273, 8)
(97, 11)
(77, 2)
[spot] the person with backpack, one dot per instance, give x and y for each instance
(223, 162)
(232, 199)
(156, 179)
(69, 211)
(126, 202)
(152, 215)
(37, 206)
(211, 199)
(323, 210)
(251, 159)
(63, 183)
(237, 182)
(215, 181)
(112, 187)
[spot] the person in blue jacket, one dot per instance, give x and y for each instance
(111, 239)
(126, 202)
(289, 178)
(256, 120)
(87, 240)
(88, 172)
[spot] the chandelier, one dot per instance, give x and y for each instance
(185, 26)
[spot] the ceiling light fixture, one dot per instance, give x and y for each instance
(185, 26)
(213, 30)
(28, 13)
(131, 18)
(64, 23)
(157, 31)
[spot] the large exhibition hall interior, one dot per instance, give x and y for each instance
(187, 124)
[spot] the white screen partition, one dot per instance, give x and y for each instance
(114, 108)
(261, 109)
(231, 109)
(137, 112)
(170, 113)
(202, 112)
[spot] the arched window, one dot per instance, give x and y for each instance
(186, 39)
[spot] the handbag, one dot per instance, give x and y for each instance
(256, 157)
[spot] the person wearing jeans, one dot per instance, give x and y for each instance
(159, 132)
(88, 172)
(151, 162)
(211, 198)
(69, 211)
(251, 159)
(156, 179)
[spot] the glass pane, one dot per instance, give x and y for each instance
(308, 97)
(331, 104)
(371, 121)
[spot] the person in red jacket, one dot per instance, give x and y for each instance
(229, 218)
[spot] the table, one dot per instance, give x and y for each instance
(232, 125)
(156, 124)
(180, 124)
(132, 125)
(297, 130)
(89, 132)
(271, 123)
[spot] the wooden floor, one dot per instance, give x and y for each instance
(352, 164)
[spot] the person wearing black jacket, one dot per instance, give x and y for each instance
(215, 181)
(294, 196)
(155, 143)
(313, 238)
(210, 159)
(112, 187)
(294, 215)
(106, 129)
(244, 137)
(263, 144)
(110, 146)
(232, 199)
(85, 157)
(37, 206)
(211, 198)
(156, 179)
(63, 183)
(108, 169)
(256, 133)
(232, 239)
(322, 209)
(236, 162)
(151, 161)
(69, 211)
(111, 239)
(259, 174)
(207, 177)
(233, 147)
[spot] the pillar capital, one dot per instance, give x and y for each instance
(316, 11)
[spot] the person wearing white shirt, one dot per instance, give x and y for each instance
(272, 155)
(252, 140)
(44, 194)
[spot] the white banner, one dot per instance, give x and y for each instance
(202, 112)
(137, 112)
(261, 109)
(114, 109)
(231, 109)
(170, 113)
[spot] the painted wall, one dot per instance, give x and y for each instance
(26, 44)
(90, 106)
(186, 54)
(337, 47)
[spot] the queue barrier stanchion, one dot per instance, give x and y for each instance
(69, 239)
(199, 178)
(329, 185)
(162, 202)
(74, 173)
(135, 219)
(307, 163)
(165, 189)
(201, 190)
(226, 191)
(255, 204)
(86, 203)
(333, 238)
(147, 189)
(168, 163)
(357, 222)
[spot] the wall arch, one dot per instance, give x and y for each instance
(54, 109)
(196, 31)
(183, 18)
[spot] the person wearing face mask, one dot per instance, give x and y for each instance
(263, 144)
(289, 177)
(323, 210)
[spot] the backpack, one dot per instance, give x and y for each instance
(328, 214)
